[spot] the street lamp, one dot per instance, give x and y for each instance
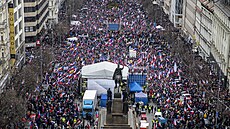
(41, 58)
(219, 84)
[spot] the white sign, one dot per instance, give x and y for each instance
(132, 53)
(76, 23)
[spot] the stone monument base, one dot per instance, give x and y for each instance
(117, 119)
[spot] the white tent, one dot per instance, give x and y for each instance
(72, 39)
(159, 27)
(101, 85)
(102, 70)
(141, 97)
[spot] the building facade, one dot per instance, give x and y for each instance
(174, 8)
(189, 17)
(203, 27)
(54, 6)
(207, 24)
(167, 6)
(36, 16)
(53, 12)
(4, 44)
(12, 56)
(176, 12)
(19, 34)
(221, 38)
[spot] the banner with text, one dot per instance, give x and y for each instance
(12, 35)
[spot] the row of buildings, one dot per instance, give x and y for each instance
(205, 24)
(22, 23)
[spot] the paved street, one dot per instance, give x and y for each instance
(150, 116)
(131, 118)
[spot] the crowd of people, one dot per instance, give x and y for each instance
(57, 105)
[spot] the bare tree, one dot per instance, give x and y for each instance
(28, 78)
(61, 29)
(12, 108)
(72, 6)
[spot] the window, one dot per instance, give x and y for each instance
(30, 39)
(51, 3)
(15, 16)
(16, 43)
(21, 38)
(30, 19)
(1, 38)
(22, 50)
(19, 1)
(29, 9)
(31, 29)
(20, 12)
(29, 0)
(179, 7)
(16, 30)
(20, 25)
(3, 53)
(1, 17)
(26, 29)
(15, 3)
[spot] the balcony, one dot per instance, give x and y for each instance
(3, 25)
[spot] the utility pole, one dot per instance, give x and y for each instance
(41, 56)
(52, 33)
(52, 36)
(218, 94)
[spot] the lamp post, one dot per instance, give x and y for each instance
(218, 92)
(52, 36)
(218, 95)
(154, 5)
(41, 62)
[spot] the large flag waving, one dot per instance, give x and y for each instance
(175, 67)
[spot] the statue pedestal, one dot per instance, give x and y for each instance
(117, 95)
(117, 119)
(117, 105)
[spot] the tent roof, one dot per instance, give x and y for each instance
(102, 70)
(141, 95)
(95, 86)
(135, 87)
